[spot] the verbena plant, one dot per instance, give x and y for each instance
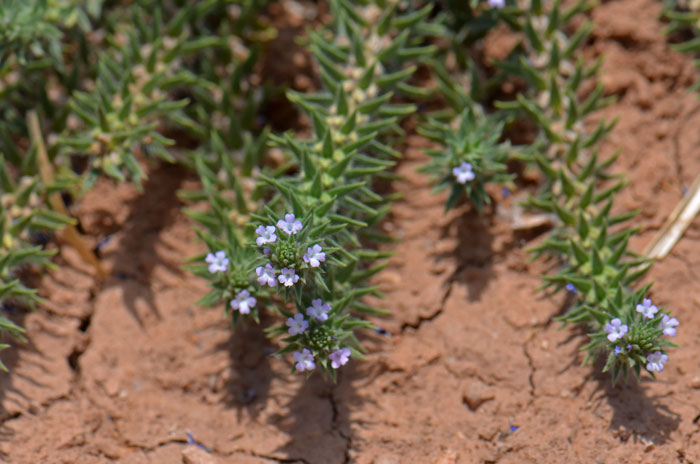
(471, 151)
(296, 242)
(589, 241)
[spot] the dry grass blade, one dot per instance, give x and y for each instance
(676, 224)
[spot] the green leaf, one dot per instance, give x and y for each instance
(597, 263)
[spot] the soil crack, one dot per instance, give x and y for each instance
(531, 364)
(434, 315)
(337, 427)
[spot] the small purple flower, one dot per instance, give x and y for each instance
(314, 256)
(656, 361)
(615, 329)
(297, 324)
(266, 275)
(668, 325)
(304, 360)
(266, 234)
(288, 277)
(339, 357)
(497, 3)
(266, 251)
(289, 225)
(571, 288)
(243, 302)
(513, 428)
(463, 172)
(318, 310)
(647, 309)
(617, 350)
(217, 262)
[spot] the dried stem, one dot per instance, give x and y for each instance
(70, 234)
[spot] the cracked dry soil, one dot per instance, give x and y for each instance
(122, 372)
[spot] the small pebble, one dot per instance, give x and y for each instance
(476, 395)
(194, 455)
(448, 457)
(695, 383)
(112, 386)
(385, 460)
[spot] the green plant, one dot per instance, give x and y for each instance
(315, 214)
(589, 241)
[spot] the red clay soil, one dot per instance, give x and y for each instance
(122, 372)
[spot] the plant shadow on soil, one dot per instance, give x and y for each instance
(11, 358)
(473, 252)
(635, 413)
(137, 256)
(248, 386)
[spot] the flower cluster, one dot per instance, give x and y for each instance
(285, 252)
(287, 259)
(632, 346)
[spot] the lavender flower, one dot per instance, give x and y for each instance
(304, 360)
(647, 309)
(571, 288)
(243, 302)
(318, 310)
(615, 329)
(617, 350)
(314, 256)
(339, 357)
(656, 361)
(668, 325)
(463, 172)
(288, 277)
(266, 275)
(266, 234)
(289, 225)
(217, 262)
(297, 324)
(497, 3)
